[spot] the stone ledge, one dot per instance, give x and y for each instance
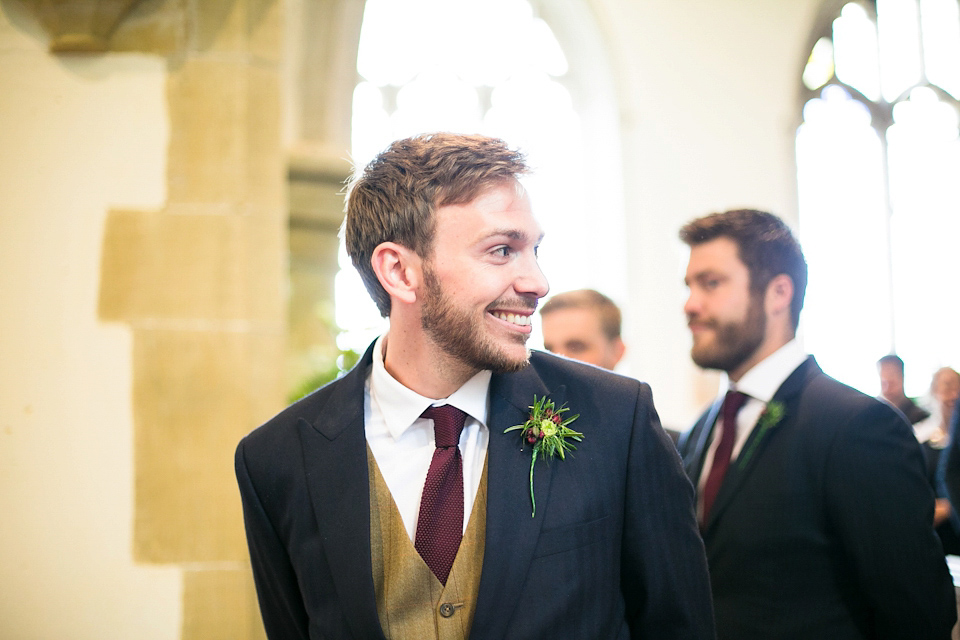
(80, 25)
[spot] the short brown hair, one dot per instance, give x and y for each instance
(765, 245)
(610, 318)
(394, 198)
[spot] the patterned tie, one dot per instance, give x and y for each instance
(440, 524)
(721, 457)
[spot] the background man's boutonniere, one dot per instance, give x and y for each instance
(771, 417)
(548, 432)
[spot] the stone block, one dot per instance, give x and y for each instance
(265, 29)
(266, 272)
(219, 26)
(196, 393)
(265, 181)
(246, 27)
(157, 265)
(220, 604)
(208, 112)
(311, 345)
(153, 26)
(317, 203)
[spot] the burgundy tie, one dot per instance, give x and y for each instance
(721, 457)
(440, 524)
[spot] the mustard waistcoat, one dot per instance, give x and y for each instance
(411, 602)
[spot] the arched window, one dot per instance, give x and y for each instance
(878, 160)
(498, 67)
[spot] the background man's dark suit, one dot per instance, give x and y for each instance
(613, 542)
(949, 468)
(825, 530)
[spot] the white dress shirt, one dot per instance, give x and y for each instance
(403, 443)
(759, 384)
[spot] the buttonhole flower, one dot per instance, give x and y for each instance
(547, 431)
(770, 418)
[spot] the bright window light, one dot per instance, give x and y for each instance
(880, 195)
(940, 20)
(475, 66)
(898, 23)
(855, 47)
(819, 70)
(843, 231)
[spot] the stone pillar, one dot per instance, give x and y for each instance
(201, 282)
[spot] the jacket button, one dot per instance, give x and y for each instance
(447, 609)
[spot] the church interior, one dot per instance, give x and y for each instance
(173, 175)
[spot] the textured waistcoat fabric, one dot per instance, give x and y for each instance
(411, 601)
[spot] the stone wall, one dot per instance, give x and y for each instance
(188, 273)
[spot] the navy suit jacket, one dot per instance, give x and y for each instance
(613, 551)
(825, 529)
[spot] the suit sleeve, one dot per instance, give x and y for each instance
(664, 573)
(881, 505)
(281, 603)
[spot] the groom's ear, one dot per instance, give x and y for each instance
(399, 270)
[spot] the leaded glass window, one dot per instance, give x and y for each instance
(878, 159)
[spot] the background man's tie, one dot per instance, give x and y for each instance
(440, 524)
(721, 457)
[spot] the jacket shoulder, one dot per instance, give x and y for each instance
(829, 397)
(335, 405)
(556, 370)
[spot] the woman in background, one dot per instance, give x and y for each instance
(936, 434)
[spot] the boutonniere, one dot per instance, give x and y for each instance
(548, 432)
(771, 417)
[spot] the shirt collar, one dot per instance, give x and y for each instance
(763, 380)
(401, 406)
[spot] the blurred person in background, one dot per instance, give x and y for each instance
(813, 504)
(936, 436)
(890, 370)
(583, 325)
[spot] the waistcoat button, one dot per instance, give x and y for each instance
(447, 609)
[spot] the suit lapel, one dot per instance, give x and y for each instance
(335, 460)
(511, 534)
(700, 437)
(759, 439)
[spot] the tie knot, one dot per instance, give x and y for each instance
(733, 401)
(447, 424)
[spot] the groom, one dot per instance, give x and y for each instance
(393, 503)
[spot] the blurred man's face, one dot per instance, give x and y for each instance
(577, 334)
(891, 382)
(946, 390)
(727, 322)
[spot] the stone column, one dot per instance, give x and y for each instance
(201, 283)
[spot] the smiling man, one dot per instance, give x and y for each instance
(397, 502)
(813, 504)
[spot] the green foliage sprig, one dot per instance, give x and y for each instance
(771, 417)
(548, 431)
